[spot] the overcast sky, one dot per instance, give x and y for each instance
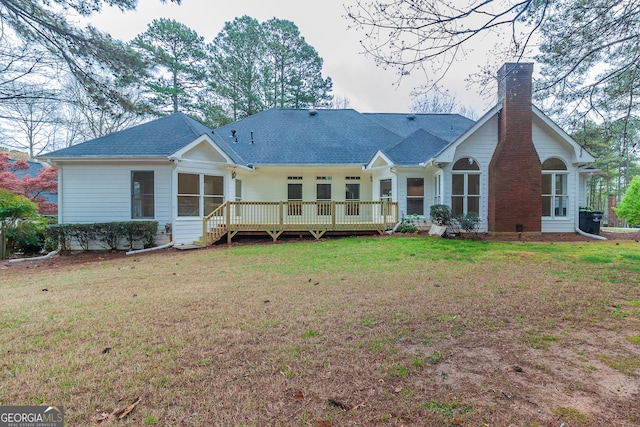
(322, 23)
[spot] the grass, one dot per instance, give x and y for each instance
(268, 334)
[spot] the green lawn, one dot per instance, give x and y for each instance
(354, 331)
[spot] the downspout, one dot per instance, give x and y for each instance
(594, 236)
(49, 255)
(139, 251)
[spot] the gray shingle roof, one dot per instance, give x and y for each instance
(295, 136)
(418, 147)
(288, 136)
(160, 137)
(445, 126)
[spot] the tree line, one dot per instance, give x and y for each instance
(61, 84)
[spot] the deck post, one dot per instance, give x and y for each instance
(280, 213)
(384, 212)
(205, 235)
(333, 215)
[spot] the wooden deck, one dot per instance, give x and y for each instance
(316, 218)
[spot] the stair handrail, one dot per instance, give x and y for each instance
(217, 212)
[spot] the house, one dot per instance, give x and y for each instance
(328, 170)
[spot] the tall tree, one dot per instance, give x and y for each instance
(629, 206)
(92, 57)
(294, 68)
(256, 66)
(28, 122)
(584, 44)
(82, 119)
(236, 66)
(176, 57)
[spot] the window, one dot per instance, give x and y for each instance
(437, 190)
(555, 196)
(385, 195)
(213, 193)
(385, 190)
(465, 187)
(238, 190)
(294, 196)
(238, 208)
(142, 195)
(188, 194)
(196, 190)
(323, 194)
(415, 196)
(352, 196)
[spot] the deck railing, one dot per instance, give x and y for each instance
(317, 217)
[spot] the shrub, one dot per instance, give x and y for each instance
(469, 222)
(440, 215)
(28, 236)
(408, 224)
(107, 234)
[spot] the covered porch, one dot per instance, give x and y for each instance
(316, 218)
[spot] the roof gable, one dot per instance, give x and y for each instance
(203, 149)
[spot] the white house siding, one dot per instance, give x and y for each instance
(480, 147)
(101, 192)
(549, 147)
(269, 183)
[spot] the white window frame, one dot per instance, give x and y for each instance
(437, 193)
(554, 196)
(200, 195)
(138, 199)
(560, 171)
(465, 196)
(415, 198)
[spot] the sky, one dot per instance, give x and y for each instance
(368, 88)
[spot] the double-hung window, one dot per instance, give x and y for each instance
(437, 189)
(465, 187)
(555, 196)
(199, 193)
(142, 195)
(415, 196)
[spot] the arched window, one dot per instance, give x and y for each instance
(465, 187)
(555, 197)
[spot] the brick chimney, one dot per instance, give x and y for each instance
(515, 172)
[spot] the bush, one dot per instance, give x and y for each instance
(107, 234)
(440, 215)
(27, 236)
(408, 224)
(469, 222)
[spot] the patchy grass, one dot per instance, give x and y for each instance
(401, 330)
